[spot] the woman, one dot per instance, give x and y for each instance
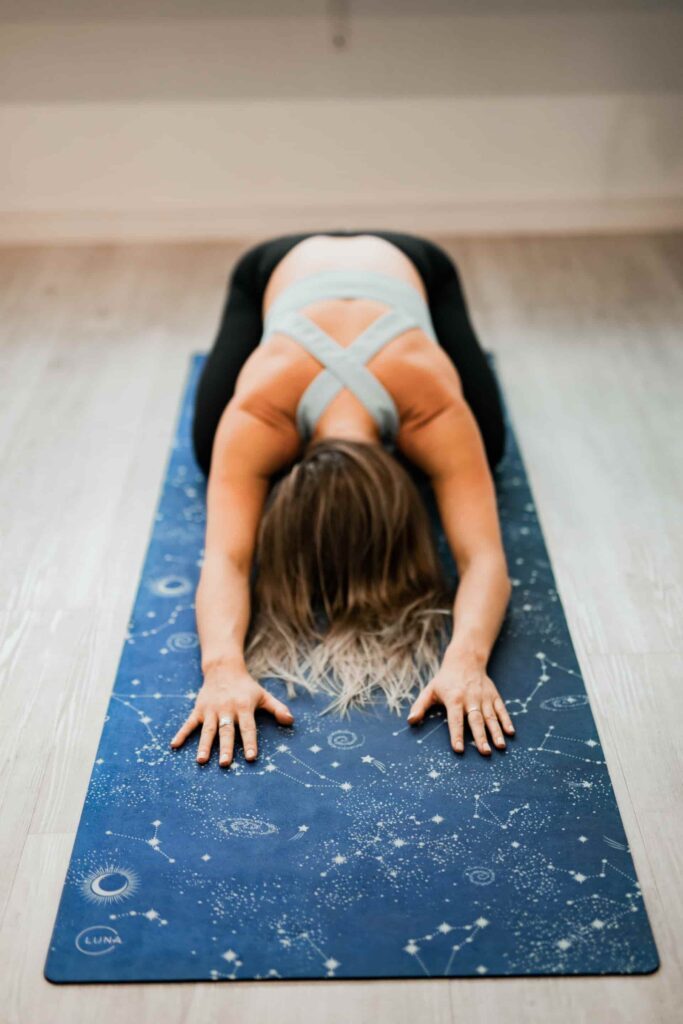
(338, 355)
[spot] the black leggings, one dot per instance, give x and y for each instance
(241, 329)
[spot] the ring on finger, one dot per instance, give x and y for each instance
(469, 710)
(225, 720)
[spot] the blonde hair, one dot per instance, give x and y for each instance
(348, 593)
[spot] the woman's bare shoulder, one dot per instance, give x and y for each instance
(420, 376)
(438, 430)
(255, 436)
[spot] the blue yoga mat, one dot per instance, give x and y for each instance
(351, 848)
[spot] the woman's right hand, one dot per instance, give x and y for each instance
(233, 694)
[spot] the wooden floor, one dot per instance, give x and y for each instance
(94, 345)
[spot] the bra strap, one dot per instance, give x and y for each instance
(344, 367)
(337, 284)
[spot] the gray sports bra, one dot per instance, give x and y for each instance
(345, 366)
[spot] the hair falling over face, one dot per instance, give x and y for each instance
(349, 597)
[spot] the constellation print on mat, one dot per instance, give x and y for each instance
(353, 846)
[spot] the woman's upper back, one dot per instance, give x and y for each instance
(411, 368)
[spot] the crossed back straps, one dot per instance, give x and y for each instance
(344, 366)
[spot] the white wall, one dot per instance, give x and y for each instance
(213, 119)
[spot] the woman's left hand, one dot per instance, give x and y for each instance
(466, 691)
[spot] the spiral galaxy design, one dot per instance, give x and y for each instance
(170, 586)
(480, 876)
(345, 739)
(566, 703)
(248, 828)
(182, 642)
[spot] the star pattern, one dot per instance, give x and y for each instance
(355, 847)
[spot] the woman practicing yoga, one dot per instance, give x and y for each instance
(339, 355)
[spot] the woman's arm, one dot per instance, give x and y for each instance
(234, 500)
(247, 450)
(450, 449)
(466, 499)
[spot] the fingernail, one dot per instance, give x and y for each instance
(458, 745)
(224, 760)
(487, 748)
(250, 752)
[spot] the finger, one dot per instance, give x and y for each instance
(424, 701)
(501, 711)
(492, 723)
(455, 725)
(476, 722)
(189, 725)
(206, 737)
(248, 734)
(282, 713)
(226, 737)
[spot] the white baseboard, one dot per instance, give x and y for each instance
(440, 218)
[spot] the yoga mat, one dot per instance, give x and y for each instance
(357, 847)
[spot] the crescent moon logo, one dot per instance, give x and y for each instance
(109, 884)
